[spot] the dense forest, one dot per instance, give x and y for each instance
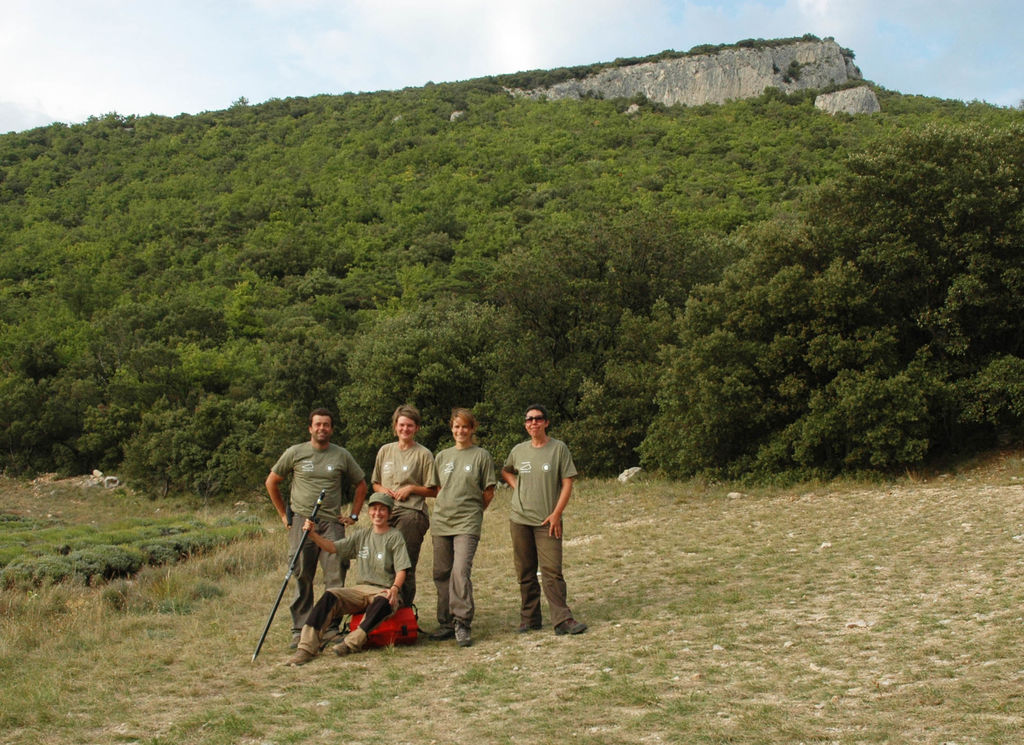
(755, 290)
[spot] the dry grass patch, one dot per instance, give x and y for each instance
(831, 613)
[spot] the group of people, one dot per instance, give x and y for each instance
(461, 479)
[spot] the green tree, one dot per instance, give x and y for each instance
(850, 341)
(434, 358)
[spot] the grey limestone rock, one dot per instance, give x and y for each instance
(861, 100)
(731, 73)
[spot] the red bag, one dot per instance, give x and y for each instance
(401, 628)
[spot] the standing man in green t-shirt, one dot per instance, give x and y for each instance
(540, 472)
(315, 466)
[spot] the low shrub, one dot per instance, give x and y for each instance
(125, 553)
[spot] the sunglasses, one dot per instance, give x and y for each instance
(535, 419)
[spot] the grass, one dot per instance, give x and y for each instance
(827, 613)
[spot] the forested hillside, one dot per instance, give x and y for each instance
(751, 289)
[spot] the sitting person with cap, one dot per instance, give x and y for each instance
(381, 561)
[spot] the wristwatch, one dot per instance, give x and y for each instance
(354, 517)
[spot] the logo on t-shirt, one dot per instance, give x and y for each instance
(525, 467)
(388, 467)
(468, 469)
(449, 467)
(307, 466)
(547, 466)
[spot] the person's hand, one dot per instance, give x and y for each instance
(309, 526)
(284, 520)
(554, 523)
(402, 493)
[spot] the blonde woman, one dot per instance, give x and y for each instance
(467, 477)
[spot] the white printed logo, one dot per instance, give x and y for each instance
(449, 467)
(468, 469)
(388, 467)
(547, 466)
(525, 467)
(307, 466)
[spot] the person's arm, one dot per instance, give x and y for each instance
(508, 476)
(310, 527)
(488, 496)
(402, 493)
(424, 473)
(273, 484)
(554, 520)
(357, 503)
(393, 592)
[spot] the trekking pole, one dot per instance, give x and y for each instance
(291, 569)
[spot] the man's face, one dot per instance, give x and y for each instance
(321, 429)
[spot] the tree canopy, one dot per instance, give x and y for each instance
(747, 289)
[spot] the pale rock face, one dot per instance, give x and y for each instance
(860, 100)
(716, 78)
(629, 474)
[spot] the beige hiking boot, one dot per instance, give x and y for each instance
(341, 649)
(300, 657)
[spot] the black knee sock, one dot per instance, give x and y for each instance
(322, 611)
(378, 610)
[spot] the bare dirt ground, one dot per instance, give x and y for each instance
(826, 613)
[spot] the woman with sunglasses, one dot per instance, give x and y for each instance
(540, 472)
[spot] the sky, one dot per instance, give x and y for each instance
(67, 60)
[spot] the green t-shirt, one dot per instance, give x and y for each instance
(464, 475)
(539, 473)
(313, 471)
(395, 467)
(379, 556)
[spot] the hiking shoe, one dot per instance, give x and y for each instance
(570, 626)
(342, 649)
(301, 657)
(442, 634)
(295, 641)
(462, 637)
(525, 627)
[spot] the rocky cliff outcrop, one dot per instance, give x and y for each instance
(729, 73)
(860, 100)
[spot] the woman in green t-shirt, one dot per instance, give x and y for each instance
(467, 477)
